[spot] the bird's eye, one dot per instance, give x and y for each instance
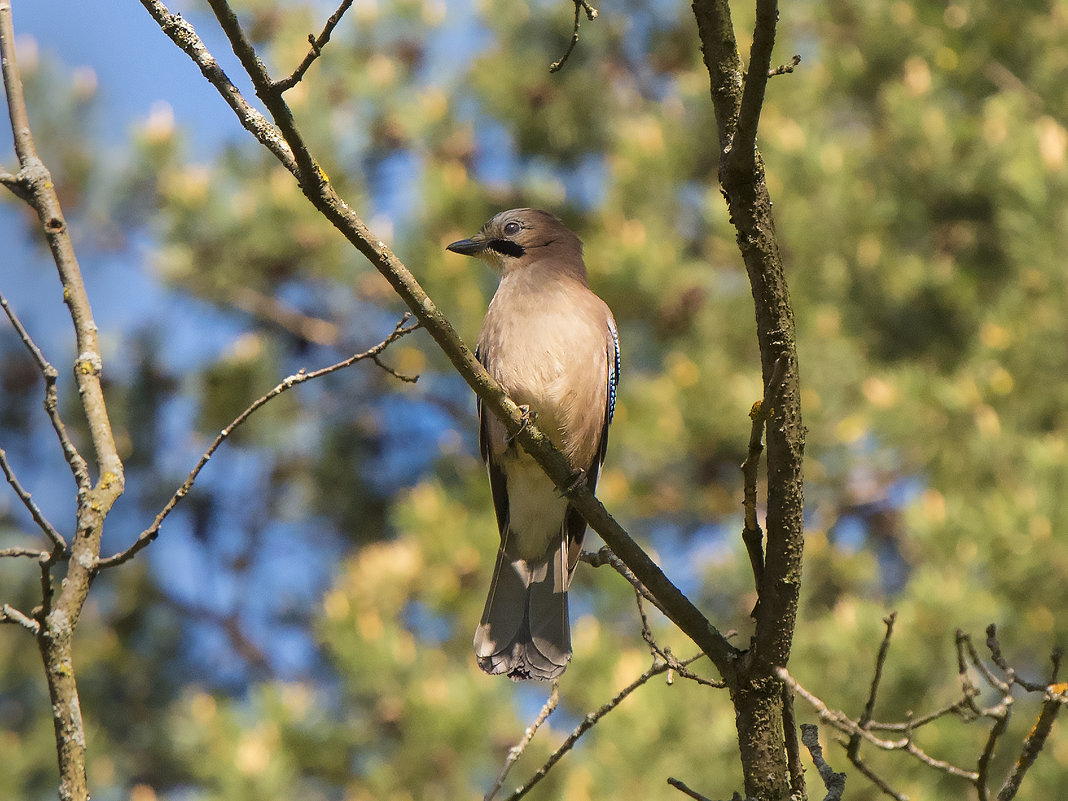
(512, 228)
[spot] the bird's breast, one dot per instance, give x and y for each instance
(548, 353)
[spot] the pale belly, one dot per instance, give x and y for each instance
(536, 508)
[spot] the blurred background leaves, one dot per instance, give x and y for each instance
(302, 627)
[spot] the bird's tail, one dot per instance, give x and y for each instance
(524, 631)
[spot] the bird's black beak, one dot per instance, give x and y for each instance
(469, 247)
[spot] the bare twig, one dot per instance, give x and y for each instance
(517, 750)
(676, 666)
(317, 45)
(752, 534)
(181, 32)
(591, 15)
(9, 614)
(149, 534)
(1010, 673)
(605, 556)
(834, 782)
(843, 723)
(18, 550)
(682, 788)
(853, 748)
(587, 723)
(785, 69)
(51, 403)
(27, 500)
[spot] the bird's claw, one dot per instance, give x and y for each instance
(528, 416)
(578, 481)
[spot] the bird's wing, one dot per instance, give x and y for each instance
(612, 354)
(575, 523)
(498, 484)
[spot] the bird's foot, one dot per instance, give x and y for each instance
(578, 480)
(528, 415)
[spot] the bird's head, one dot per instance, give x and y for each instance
(516, 238)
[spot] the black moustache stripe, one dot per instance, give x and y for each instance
(506, 247)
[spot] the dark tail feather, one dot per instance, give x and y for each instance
(524, 631)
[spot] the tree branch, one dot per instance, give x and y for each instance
(517, 750)
(317, 45)
(752, 534)
(1056, 697)
(58, 543)
(742, 159)
(737, 104)
(9, 614)
(181, 32)
(149, 534)
(59, 620)
(834, 782)
(587, 723)
(51, 402)
(685, 790)
(591, 15)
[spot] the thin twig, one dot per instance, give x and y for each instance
(51, 402)
(517, 750)
(680, 667)
(181, 32)
(591, 15)
(587, 723)
(605, 556)
(834, 782)
(843, 723)
(27, 500)
(9, 614)
(1010, 673)
(33, 553)
(682, 788)
(853, 749)
(149, 534)
(785, 69)
(317, 45)
(752, 534)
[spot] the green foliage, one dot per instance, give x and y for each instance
(917, 162)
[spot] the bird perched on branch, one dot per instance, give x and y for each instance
(552, 345)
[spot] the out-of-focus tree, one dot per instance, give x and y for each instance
(301, 628)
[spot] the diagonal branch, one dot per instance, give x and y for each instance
(9, 614)
(148, 535)
(181, 32)
(58, 543)
(51, 402)
(517, 750)
(834, 782)
(317, 45)
(587, 723)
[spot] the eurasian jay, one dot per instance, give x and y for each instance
(552, 345)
